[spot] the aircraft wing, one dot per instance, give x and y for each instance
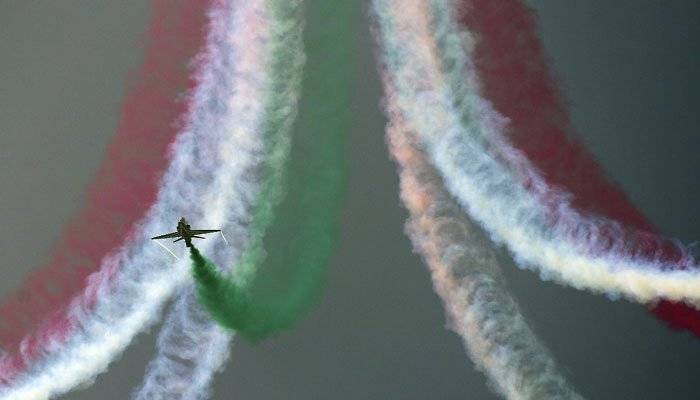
(200, 231)
(167, 236)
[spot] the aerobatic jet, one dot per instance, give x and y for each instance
(184, 232)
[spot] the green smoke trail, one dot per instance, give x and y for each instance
(281, 272)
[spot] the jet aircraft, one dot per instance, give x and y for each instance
(184, 232)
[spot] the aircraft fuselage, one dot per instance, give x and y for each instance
(183, 228)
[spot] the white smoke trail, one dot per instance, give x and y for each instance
(467, 277)
(224, 238)
(263, 33)
(427, 60)
(133, 282)
(191, 348)
(168, 250)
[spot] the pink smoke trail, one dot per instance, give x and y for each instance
(428, 59)
(212, 178)
(514, 76)
(123, 189)
(467, 276)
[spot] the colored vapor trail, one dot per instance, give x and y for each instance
(467, 276)
(428, 63)
(123, 188)
(124, 297)
(510, 62)
(280, 273)
(191, 346)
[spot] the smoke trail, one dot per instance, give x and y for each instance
(133, 282)
(428, 60)
(514, 77)
(125, 185)
(191, 347)
(466, 274)
(279, 275)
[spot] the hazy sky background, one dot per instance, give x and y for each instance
(628, 70)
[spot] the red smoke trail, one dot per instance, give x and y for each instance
(511, 65)
(124, 187)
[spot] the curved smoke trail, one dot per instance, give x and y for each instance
(280, 274)
(124, 187)
(265, 58)
(514, 77)
(466, 274)
(428, 61)
(125, 296)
